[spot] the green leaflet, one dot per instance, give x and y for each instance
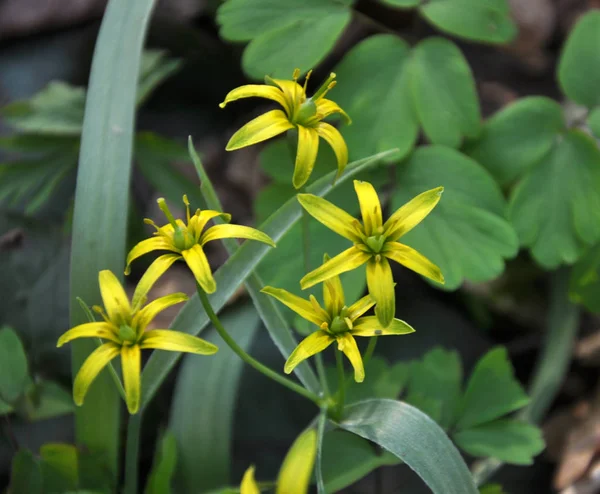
(466, 234)
(555, 209)
(163, 467)
(414, 438)
(13, 366)
(303, 30)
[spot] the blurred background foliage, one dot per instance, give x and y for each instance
(496, 100)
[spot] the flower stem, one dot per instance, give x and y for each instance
(341, 382)
(132, 453)
(370, 350)
(263, 369)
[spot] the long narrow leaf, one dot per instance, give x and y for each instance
(101, 198)
(238, 267)
(414, 438)
(268, 310)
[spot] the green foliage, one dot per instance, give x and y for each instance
(517, 137)
(26, 474)
(59, 463)
(555, 208)
(13, 366)
(208, 388)
(579, 64)
(469, 218)
(585, 280)
(304, 32)
(492, 489)
(163, 468)
(593, 121)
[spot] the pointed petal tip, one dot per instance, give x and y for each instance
(223, 104)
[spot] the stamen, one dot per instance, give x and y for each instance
(100, 310)
(296, 74)
(151, 223)
(187, 207)
(325, 87)
(306, 80)
(378, 258)
(324, 325)
(329, 88)
(162, 204)
(348, 322)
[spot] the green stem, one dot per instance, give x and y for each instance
(132, 454)
(263, 369)
(341, 382)
(370, 350)
(552, 365)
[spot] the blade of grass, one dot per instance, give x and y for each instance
(101, 198)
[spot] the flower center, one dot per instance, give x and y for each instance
(375, 243)
(127, 334)
(182, 238)
(306, 112)
(340, 324)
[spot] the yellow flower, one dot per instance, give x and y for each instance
(124, 327)
(336, 322)
(186, 241)
(295, 473)
(374, 242)
(300, 112)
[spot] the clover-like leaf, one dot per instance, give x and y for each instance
(381, 107)
(511, 441)
(593, 121)
(466, 235)
(13, 365)
(585, 280)
(555, 209)
(444, 92)
(303, 31)
(476, 20)
(579, 65)
(517, 137)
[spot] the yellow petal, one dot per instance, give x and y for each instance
(175, 341)
(198, 263)
(90, 330)
(235, 231)
(333, 295)
(370, 326)
(150, 311)
(326, 107)
(309, 346)
(260, 129)
(347, 344)
(148, 245)
(258, 91)
(346, 261)
(97, 360)
(296, 469)
(412, 213)
(359, 307)
(114, 297)
(381, 288)
(337, 143)
(299, 305)
(306, 155)
(198, 222)
(409, 257)
(370, 207)
(331, 216)
(131, 365)
(249, 485)
(153, 273)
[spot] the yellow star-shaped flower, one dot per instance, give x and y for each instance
(186, 240)
(124, 327)
(374, 242)
(299, 112)
(337, 323)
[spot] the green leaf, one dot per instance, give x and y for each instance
(348, 458)
(510, 441)
(48, 400)
(5, 408)
(405, 4)
(155, 157)
(517, 137)
(383, 381)
(60, 468)
(466, 235)
(163, 467)
(377, 96)
(593, 121)
(26, 474)
(579, 64)
(414, 438)
(57, 109)
(208, 442)
(444, 92)
(102, 199)
(585, 280)
(304, 32)
(492, 489)
(555, 209)
(492, 391)
(155, 67)
(13, 366)
(437, 377)
(477, 20)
